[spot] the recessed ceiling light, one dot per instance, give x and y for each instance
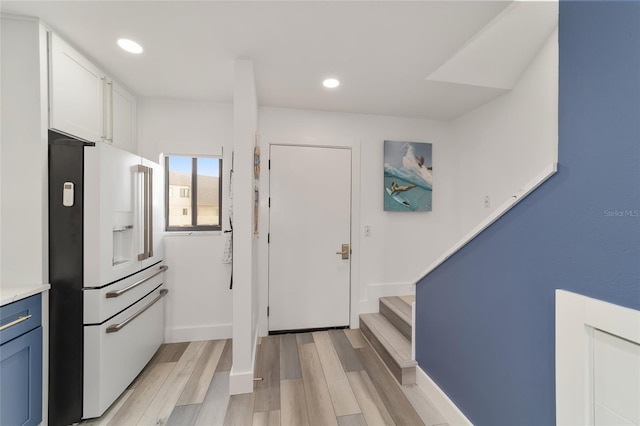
(331, 83)
(129, 45)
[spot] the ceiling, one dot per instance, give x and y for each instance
(392, 57)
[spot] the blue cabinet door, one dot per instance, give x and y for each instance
(21, 380)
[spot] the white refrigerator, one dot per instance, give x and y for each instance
(106, 217)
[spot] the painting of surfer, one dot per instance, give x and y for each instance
(408, 176)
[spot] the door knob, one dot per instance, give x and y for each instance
(344, 252)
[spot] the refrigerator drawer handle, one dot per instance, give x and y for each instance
(117, 327)
(116, 293)
(15, 322)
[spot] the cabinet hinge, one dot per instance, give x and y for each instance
(268, 238)
(269, 202)
(269, 167)
(267, 311)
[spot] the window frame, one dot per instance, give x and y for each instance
(194, 196)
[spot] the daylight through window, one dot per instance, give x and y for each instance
(193, 193)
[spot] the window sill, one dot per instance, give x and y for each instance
(192, 233)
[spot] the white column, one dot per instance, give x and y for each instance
(245, 121)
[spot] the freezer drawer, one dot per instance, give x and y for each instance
(101, 304)
(116, 351)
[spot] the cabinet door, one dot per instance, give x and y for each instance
(77, 89)
(21, 380)
(123, 115)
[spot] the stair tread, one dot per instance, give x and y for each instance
(398, 346)
(400, 306)
(410, 298)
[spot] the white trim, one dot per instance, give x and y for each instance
(440, 400)
(355, 304)
(495, 215)
(195, 334)
(413, 331)
(219, 152)
(242, 382)
(354, 283)
(45, 357)
(577, 317)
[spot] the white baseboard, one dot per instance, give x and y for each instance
(378, 290)
(440, 400)
(242, 382)
(194, 334)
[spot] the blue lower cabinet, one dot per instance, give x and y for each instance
(21, 379)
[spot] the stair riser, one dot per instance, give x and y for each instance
(399, 323)
(405, 376)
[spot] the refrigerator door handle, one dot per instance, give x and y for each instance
(150, 212)
(117, 327)
(104, 109)
(110, 136)
(118, 293)
(145, 212)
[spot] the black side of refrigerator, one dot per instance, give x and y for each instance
(66, 165)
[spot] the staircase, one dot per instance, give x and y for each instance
(389, 332)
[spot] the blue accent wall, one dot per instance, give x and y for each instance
(485, 318)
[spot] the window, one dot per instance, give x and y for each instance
(197, 185)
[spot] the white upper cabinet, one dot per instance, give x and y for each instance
(77, 93)
(86, 103)
(122, 117)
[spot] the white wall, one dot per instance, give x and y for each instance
(505, 143)
(199, 303)
(24, 218)
(245, 256)
(514, 136)
(24, 180)
(400, 243)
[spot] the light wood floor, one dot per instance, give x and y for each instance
(322, 378)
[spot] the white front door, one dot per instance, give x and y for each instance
(310, 221)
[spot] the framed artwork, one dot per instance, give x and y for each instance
(408, 176)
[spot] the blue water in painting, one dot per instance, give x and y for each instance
(414, 199)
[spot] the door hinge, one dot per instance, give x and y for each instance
(269, 202)
(269, 166)
(268, 238)
(267, 311)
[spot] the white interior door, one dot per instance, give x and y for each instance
(310, 220)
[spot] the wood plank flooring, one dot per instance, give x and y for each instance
(322, 378)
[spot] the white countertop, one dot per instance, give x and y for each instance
(12, 294)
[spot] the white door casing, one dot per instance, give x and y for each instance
(310, 220)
